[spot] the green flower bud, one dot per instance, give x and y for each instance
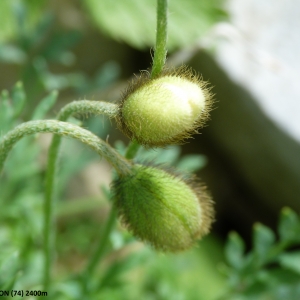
(164, 110)
(166, 210)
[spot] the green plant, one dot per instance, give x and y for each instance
(163, 109)
(31, 44)
(74, 249)
(192, 212)
(271, 270)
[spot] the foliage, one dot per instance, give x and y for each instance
(9, 9)
(33, 43)
(129, 269)
(134, 21)
(21, 197)
(271, 270)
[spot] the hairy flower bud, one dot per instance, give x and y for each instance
(164, 110)
(166, 210)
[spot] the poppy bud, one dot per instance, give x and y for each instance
(166, 210)
(164, 110)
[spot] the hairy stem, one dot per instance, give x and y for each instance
(100, 250)
(161, 38)
(64, 129)
(88, 107)
(159, 56)
(75, 107)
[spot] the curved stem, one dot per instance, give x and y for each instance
(161, 38)
(100, 250)
(75, 107)
(160, 54)
(88, 107)
(132, 149)
(64, 129)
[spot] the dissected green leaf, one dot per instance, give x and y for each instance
(289, 226)
(160, 156)
(192, 162)
(282, 276)
(234, 250)
(6, 112)
(16, 15)
(12, 54)
(134, 21)
(18, 98)
(276, 284)
(267, 271)
(263, 240)
(44, 106)
(291, 261)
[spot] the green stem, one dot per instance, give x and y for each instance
(62, 129)
(161, 38)
(159, 56)
(88, 107)
(100, 250)
(101, 246)
(130, 153)
(75, 107)
(132, 149)
(158, 64)
(121, 165)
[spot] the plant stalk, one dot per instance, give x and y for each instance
(132, 149)
(75, 107)
(60, 128)
(157, 66)
(100, 250)
(161, 38)
(160, 54)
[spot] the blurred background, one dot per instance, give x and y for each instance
(247, 155)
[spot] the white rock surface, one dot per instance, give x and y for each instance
(260, 50)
